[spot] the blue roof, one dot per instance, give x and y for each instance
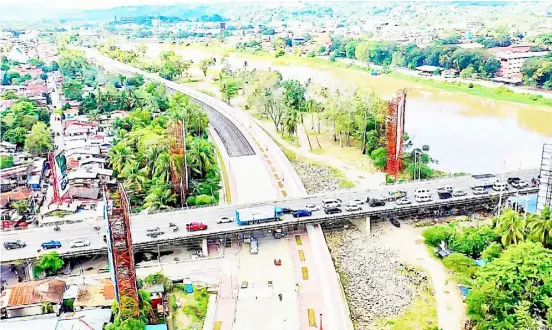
(481, 262)
(463, 290)
(156, 327)
(529, 200)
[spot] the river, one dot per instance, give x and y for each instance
(465, 133)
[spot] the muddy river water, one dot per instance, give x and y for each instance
(465, 133)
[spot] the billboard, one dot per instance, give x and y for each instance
(60, 163)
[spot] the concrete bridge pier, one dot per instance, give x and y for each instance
(204, 248)
(363, 225)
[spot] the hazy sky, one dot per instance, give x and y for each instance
(92, 4)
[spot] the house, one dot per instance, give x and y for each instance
(71, 113)
(47, 321)
(18, 175)
(450, 73)
(28, 298)
(15, 195)
(96, 294)
(94, 319)
(511, 64)
(428, 70)
(156, 292)
(7, 148)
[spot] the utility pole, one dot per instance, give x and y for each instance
(501, 191)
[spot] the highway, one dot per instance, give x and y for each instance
(209, 215)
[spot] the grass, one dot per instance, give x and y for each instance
(224, 174)
(191, 314)
(498, 93)
(420, 315)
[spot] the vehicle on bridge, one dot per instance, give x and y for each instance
(331, 202)
(259, 214)
(520, 184)
(448, 189)
(500, 186)
(444, 194)
(225, 220)
(312, 207)
(459, 193)
(393, 196)
(51, 245)
(374, 202)
(332, 210)
(14, 244)
(479, 191)
(403, 201)
(80, 243)
(483, 180)
(196, 226)
(423, 198)
(352, 206)
(301, 213)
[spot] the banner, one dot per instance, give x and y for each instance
(60, 162)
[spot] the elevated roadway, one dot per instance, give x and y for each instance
(210, 215)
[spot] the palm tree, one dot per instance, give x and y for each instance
(162, 166)
(134, 177)
(540, 226)
(151, 156)
(511, 227)
(121, 156)
(94, 115)
(201, 157)
(159, 198)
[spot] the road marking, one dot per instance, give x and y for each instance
(298, 240)
(312, 318)
(305, 272)
(217, 325)
(301, 255)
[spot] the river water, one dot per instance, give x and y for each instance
(465, 133)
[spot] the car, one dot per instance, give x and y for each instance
(392, 196)
(301, 213)
(254, 247)
(312, 207)
(225, 220)
(423, 198)
(500, 186)
(51, 245)
(403, 201)
(520, 184)
(195, 226)
(80, 243)
(479, 191)
(154, 234)
(395, 223)
(511, 180)
(444, 195)
(359, 201)
(459, 193)
(286, 210)
(153, 229)
(376, 202)
(448, 189)
(332, 210)
(331, 202)
(14, 244)
(352, 206)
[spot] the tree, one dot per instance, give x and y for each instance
(511, 227)
(22, 206)
(512, 285)
(201, 156)
(121, 156)
(472, 241)
(39, 140)
(205, 64)
(159, 198)
(72, 89)
(6, 161)
(434, 235)
(44, 76)
(540, 226)
(9, 95)
(49, 262)
(491, 252)
(379, 156)
(461, 264)
(467, 72)
(142, 49)
(228, 88)
(15, 135)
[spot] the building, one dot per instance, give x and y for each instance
(544, 197)
(95, 319)
(511, 64)
(27, 298)
(96, 294)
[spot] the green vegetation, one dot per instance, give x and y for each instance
(513, 290)
(6, 161)
(191, 315)
(48, 263)
(132, 315)
(496, 93)
(39, 140)
(141, 156)
(19, 119)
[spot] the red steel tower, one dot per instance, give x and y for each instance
(395, 132)
(177, 153)
(119, 237)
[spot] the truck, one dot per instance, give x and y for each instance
(483, 180)
(259, 214)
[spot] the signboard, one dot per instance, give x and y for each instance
(60, 162)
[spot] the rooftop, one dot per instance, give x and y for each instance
(98, 294)
(94, 319)
(35, 292)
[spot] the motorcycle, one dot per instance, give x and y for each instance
(56, 228)
(280, 296)
(97, 228)
(173, 226)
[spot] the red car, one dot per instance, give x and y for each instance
(195, 226)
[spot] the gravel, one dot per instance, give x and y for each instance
(375, 282)
(316, 178)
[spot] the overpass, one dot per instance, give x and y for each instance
(210, 215)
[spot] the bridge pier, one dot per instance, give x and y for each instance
(29, 271)
(363, 225)
(204, 247)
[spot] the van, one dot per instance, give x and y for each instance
(422, 192)
(247, 238)
(500, 186)
(254, 247)
(423, 198)
(331, 202)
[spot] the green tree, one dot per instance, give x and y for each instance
(121, 156)
(228, 88)
(201, 156)
(6, 161)
(204, 64)
(511, 227)
(434, 235)
(15, 135)
(464, 267)
(540, 226)
(467, 72)
(9, 95)
(49, 263)
(472, 241)
(44, 76)
(491, 252)
(160, 198)
(22, 206)
(379, 156)
(512, 285)
(39, 140)
(72, 89)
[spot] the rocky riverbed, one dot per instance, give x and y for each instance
(316, 178)
(376, 283)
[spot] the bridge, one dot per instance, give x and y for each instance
(209, 215)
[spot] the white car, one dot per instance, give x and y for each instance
(358, 201)
(445, 189)
(225, 220)
(459, 193)
(312, 207)
(403, 201)
(479, 191)
(80, 243)
(352, 206)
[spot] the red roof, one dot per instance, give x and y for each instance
(36, 292)
(16, 195)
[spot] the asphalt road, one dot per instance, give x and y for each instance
(209, 215)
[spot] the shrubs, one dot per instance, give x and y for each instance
(472, 241)
(492, 251)
(463, 266)
(434, 235)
